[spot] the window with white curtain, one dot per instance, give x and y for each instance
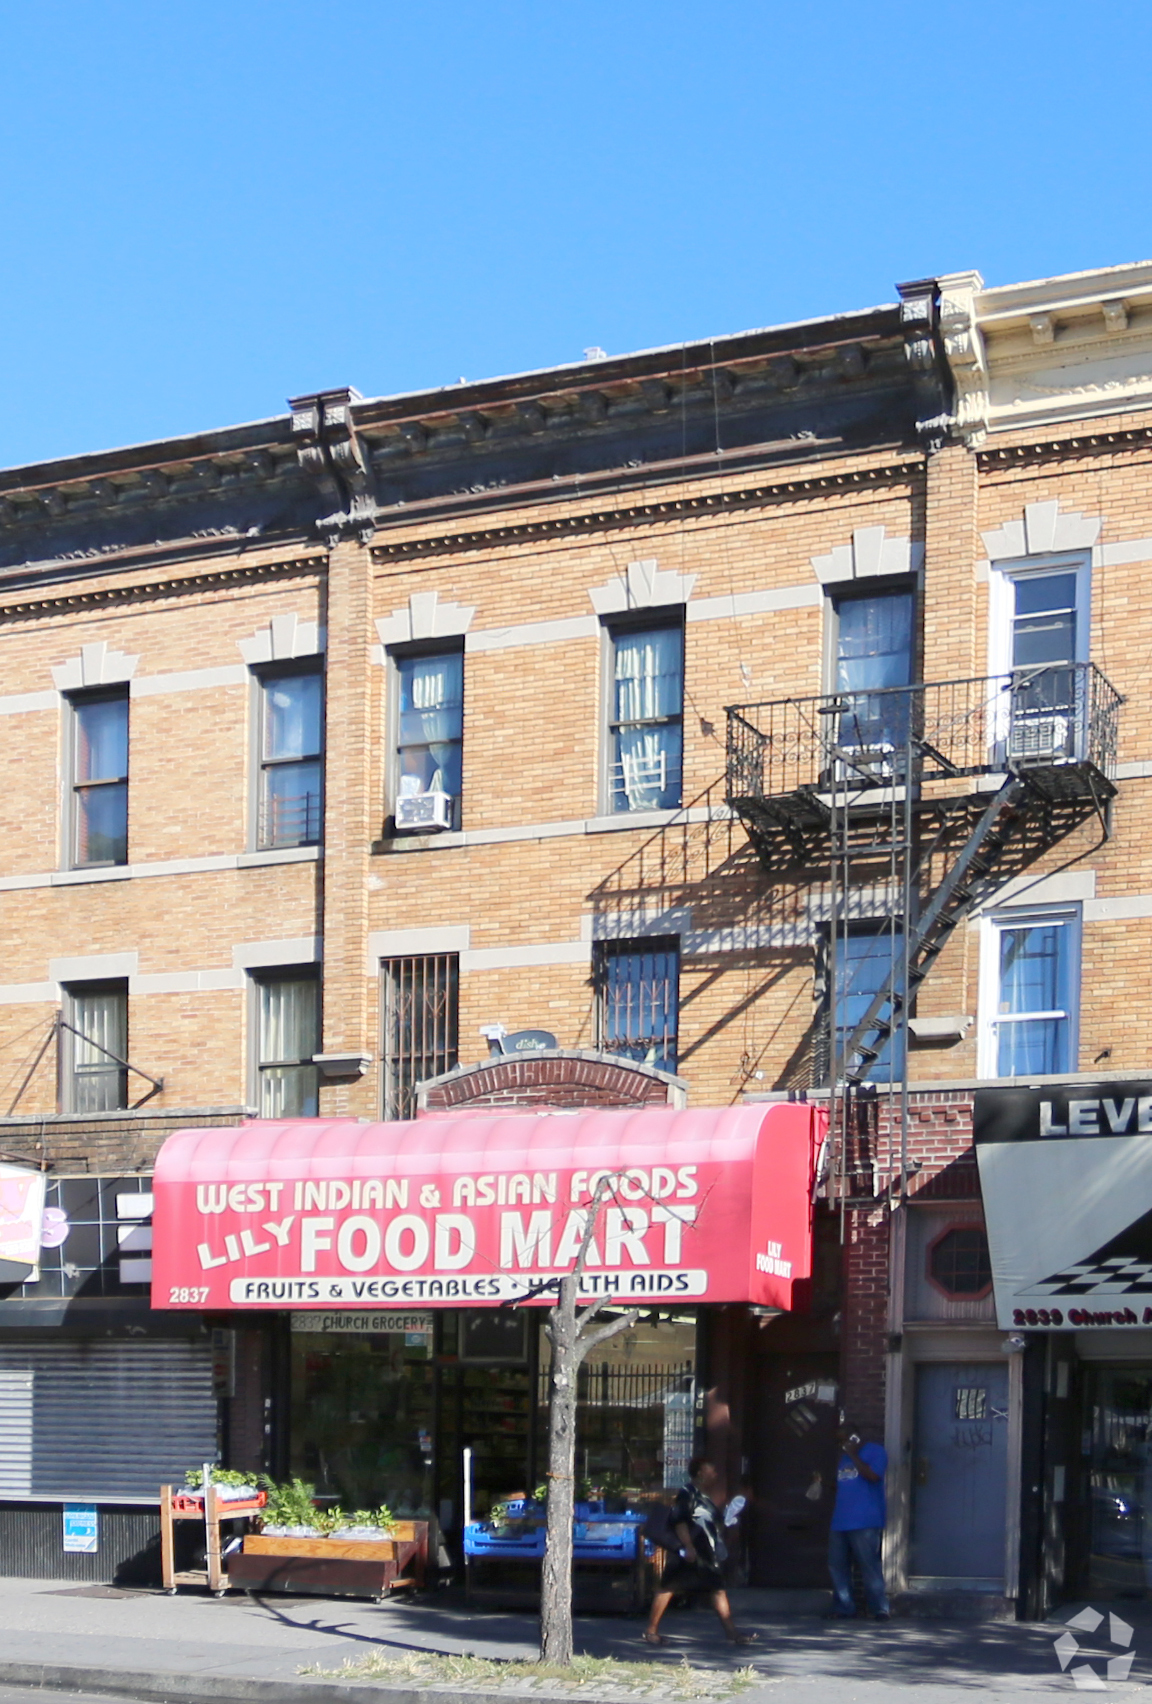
(94, 1047)
(429, 742)
(291, 768)
(1030, 992)
(646, 715)
(287, 1037)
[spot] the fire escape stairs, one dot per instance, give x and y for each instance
(1001, 821)
(1006, 765)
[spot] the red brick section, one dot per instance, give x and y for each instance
(547, 1081)
(940, 1139)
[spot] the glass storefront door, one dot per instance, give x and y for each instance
(1119, 1438)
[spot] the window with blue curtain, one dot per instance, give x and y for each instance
(291, 770)
(647, 718)
(1037, 978)
(864, 964)
(874, 655)
(430, 740)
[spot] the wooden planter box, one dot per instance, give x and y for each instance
(333, 1567)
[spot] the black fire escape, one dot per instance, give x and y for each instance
(913, 805)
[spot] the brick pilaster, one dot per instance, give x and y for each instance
(951, 550)
(349, 827)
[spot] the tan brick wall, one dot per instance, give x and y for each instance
(533, 719)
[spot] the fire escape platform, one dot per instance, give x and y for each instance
(953, 785)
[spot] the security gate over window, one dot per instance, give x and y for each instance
(419, 999)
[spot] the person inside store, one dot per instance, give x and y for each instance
(698, 1570)
(858, 1517)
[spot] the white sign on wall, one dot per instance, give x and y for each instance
(365, 1322)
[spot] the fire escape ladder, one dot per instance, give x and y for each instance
(1002, 818)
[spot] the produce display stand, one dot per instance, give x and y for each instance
(333, 1567)
(210, 1510)
(613, 1568)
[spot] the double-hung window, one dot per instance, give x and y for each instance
(291, 757)
(94, 1047)
(866, 962)
(646, 716)
(99, 790)
(1030, 993)
(637, 1000)
(874, 659)
(287, 1037)
(429, 743)
(1046, 637)
(419, 1019)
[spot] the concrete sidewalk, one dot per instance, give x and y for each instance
(101, 1640)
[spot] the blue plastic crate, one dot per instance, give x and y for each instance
(480, 1539)
(610, 1537)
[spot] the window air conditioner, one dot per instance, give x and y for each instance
(424, 810)
(1040, 739)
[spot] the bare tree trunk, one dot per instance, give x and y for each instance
(569, 1331)
(556, 1582)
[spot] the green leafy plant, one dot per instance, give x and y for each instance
(220, 1476)
(292, 1503)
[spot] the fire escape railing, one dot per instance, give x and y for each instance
(930, 794)
(1059, 715)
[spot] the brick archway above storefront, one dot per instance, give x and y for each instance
(562, 1077)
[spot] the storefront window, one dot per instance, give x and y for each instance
(636, 1414)
(1121, 1480)
(362, 1418)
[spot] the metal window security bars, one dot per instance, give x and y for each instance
(911, 805)
(420, 997)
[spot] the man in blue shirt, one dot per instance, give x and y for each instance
(858, 1525)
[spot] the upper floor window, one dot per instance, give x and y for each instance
(287, 1037)
(419, 1020)
(645, 729)
(874, 653)
(637, 1000)
(94, 1047)
(291, 761)
(1030, 993)
(99, 789)
(430, 739)
(867, 961)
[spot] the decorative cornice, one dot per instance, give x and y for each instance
(1053, 449)
(662, 509)
(142, 592)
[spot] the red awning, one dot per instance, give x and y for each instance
(708, 1204)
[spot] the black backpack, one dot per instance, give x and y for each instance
(659, 1529)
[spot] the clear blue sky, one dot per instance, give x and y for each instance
(208, 206)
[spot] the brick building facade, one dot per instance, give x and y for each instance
(332, 740)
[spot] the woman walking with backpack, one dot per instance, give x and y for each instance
(697, 1523)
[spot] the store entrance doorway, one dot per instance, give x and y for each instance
(794, 1454)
